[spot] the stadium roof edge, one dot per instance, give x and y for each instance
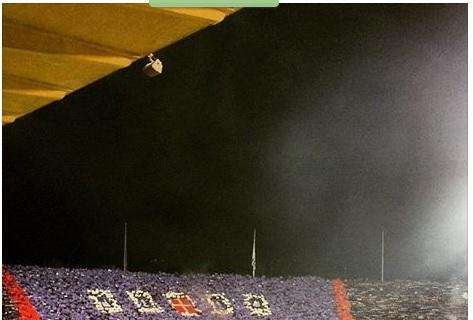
(50, 50)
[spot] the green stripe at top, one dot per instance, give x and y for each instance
(213, 3)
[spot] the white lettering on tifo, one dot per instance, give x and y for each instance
(144, 302)
(104, 301)
(257, 304)
(220, 303)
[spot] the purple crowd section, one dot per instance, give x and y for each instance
(63, 293)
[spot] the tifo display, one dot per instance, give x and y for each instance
(33, 293)
(105, 302)
(113, 294)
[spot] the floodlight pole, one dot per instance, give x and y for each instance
(125, 253)
(253, 255)
(382, 256)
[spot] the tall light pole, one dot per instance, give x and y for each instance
(125, 253)
(382, 256)
(253, 255)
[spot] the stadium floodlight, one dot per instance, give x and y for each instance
(154, 67)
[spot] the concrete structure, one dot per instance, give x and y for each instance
(50, 50)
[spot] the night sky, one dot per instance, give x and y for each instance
(318, 125)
